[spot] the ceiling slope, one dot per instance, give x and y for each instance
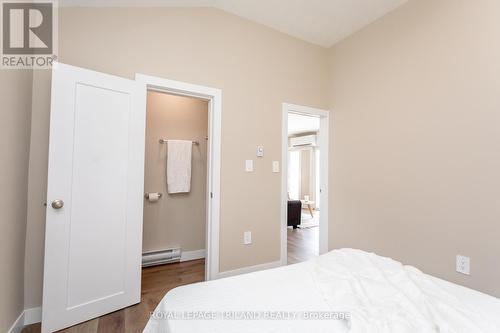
(321, 22)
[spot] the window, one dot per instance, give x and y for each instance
(294, 174)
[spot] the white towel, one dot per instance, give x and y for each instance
(179, 166)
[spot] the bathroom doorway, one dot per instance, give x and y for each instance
(205, 138)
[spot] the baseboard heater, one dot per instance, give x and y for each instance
(154, 258)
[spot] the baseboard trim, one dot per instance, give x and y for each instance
(192, 255)
(33, 315)
(249, 269)
(27, 317)
(18, 324)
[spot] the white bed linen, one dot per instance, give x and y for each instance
(384, 296)
(289, 289)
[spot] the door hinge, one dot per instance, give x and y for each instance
(211, 195)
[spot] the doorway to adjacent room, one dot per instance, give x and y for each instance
(304, 183)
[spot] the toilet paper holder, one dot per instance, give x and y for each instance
(147, 195)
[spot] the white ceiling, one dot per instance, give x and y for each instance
(322, 22)
(298, 123)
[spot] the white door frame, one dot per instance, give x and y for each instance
(324, 147)
(214, 97)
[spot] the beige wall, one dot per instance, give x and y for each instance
(416, 138)
(257, 69)
(176, 220)
(15, 113)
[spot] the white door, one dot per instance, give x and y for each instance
(93, 240)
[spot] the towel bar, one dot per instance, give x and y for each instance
(165, 141)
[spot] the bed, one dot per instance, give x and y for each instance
(342, 291)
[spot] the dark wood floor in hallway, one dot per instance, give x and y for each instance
(158, 280)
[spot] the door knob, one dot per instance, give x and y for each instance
(57, 204)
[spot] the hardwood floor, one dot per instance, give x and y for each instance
(156, 281)
(303, 244)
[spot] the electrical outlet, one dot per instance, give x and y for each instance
(463, 264)
(247, 237)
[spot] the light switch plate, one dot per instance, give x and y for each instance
(249, 165)
(260, 151)
(247, 237)
(463, 264)
(276, 166)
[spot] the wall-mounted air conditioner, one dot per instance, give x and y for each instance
(303, 141)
